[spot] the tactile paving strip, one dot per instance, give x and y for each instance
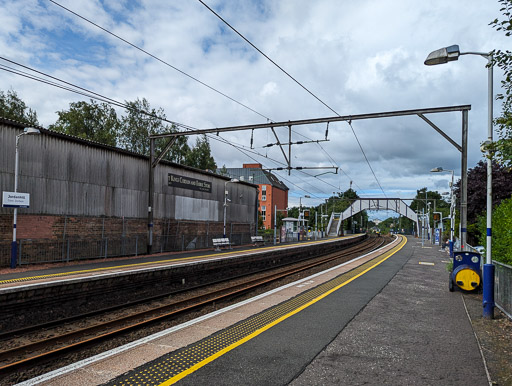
(135, 265)
(174, 366)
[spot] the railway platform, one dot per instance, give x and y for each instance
(385, 318)
(44, 273)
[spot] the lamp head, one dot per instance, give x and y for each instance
(31, 130)
(437, 170)
(443, 55)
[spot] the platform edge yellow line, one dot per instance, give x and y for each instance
(211, 358)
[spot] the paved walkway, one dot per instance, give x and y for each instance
(414, 332)
(395, 324)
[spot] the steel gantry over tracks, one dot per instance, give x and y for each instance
(462, 148)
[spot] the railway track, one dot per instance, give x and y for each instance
(36, 346)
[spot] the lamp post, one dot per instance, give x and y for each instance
(452, 204)
(226, 201)
(14, 245)
(449, 54)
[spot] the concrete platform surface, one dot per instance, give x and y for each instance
(414, 332)
(395, 324)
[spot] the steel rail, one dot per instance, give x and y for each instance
(180, 307)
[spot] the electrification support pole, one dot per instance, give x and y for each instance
(275, 224)
(464, 182)
(316, 224)
(289, 148)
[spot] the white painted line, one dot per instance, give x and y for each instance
(425, 263)
(74, 366)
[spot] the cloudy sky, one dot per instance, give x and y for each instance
(357, 57)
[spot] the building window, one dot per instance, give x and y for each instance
(263, 213)
(264, 193)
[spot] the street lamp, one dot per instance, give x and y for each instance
(452, 204)
(449, 54)
(226, 201)
(14, 245)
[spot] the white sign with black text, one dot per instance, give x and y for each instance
(15, 200)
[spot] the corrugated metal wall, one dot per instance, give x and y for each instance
(68, 177)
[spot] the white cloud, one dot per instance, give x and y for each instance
(358, 57)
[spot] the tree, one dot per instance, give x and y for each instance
(223, 171)
(503, 60)
(12, 107)
(140, 122)
(477, 193)
(200, 156)
(501, 234)
(477, 188)
(89, 120)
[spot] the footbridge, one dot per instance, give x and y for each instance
(395, 204)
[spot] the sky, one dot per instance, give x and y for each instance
(356, 57)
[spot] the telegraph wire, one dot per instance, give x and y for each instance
(296, 81)
(80, 90)
(160, 60)
(93, 95)
(187, 75)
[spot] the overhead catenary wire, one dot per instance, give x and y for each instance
(93, 95)
(158, 59)
(296, 81)
(173, 67)
(65, 85)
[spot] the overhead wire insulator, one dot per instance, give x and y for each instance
(252, 137)
(327, 130)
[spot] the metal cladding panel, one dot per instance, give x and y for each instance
(70, 177)
(196, 209)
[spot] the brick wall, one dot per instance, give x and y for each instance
(73, 227)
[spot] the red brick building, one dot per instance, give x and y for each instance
(273, 193)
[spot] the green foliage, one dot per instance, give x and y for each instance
(501, 232)
(12, 107)
(477, 193)
(92, 121)
(136, 126)
(224, 171)
(279, 217)
(201, 156)
(503, 60)
(260, 221)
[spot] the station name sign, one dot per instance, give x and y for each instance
(177, 181)
(15, 200)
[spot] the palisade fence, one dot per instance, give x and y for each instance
(503, 287)
(51, 251)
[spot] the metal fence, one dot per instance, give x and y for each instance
(503, 287)
(52, 251)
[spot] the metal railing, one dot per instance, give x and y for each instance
(31, 251)
(503, 287)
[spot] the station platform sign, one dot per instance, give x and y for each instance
(15, 200)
